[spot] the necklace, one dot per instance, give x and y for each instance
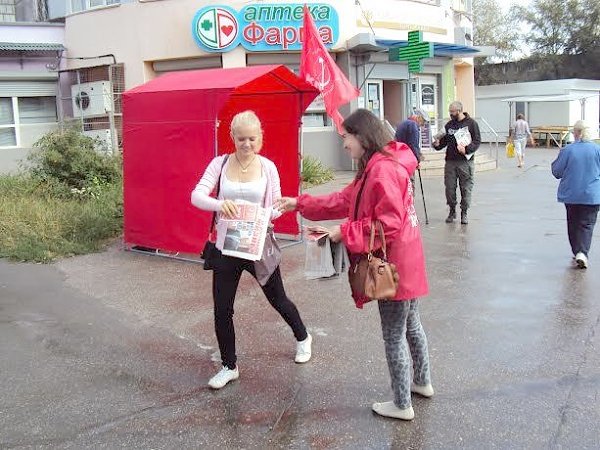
(242, 168)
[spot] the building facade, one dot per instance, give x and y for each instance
(147, 38)
(545, 104)
(30, 57)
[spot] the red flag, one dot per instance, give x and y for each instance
(317, 68)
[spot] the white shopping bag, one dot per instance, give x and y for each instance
(318, 262)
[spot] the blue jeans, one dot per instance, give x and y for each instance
(580, 226)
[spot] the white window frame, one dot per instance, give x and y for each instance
(379, 84)
(15, 125)
(88, 5)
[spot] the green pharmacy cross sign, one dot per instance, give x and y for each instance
(415, 52)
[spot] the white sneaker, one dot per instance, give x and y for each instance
(389, 409)
(581, 260)
(224, 376)
(303, 350)
(425, 390)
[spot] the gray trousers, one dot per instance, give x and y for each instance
(462, 171)
(404, 339)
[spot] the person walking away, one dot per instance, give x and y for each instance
(384, 191)
(520, 133)
(244, 175)
(460, 162)
(578, 169)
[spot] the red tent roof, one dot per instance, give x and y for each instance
(269, 78)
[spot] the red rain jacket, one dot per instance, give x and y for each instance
(388, 197)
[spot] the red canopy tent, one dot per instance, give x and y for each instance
(171, 132)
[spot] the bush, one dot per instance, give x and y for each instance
(313, 171)
(68, 157)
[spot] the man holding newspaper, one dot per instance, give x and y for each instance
(248, 184)
(461, 138)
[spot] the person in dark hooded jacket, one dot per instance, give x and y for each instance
(460, 162)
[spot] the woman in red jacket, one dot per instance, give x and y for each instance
(385, 168)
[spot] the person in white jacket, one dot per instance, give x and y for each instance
(244, 175)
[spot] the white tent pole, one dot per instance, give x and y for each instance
(301, 148)
(510, 114)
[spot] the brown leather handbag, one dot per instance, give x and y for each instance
(371, 276)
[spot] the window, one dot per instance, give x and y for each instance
(519, 108)
(8, 11)
(37, 110)
(315, 115)
(77, 5)
(19, 114)
(83, 5)
(316, 119)
(8, 135)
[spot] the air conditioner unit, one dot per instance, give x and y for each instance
(103, 140)
(92, 99)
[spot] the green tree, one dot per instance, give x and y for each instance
(562, 28)
(585, 29)
(494, 28)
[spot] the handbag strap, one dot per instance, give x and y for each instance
(377, 225)
(359, 195)
(214, 217)
(374, 224)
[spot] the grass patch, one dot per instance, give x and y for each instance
(314, 173)
(40, 223)
(68, 201)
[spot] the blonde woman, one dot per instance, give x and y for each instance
(244, 175)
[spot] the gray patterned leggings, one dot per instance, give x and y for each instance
(402, 330)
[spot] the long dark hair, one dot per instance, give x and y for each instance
(371, 135)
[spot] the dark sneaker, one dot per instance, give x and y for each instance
(451, 216)
(463, 217)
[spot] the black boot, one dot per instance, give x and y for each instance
(451, 215)
(463, 217)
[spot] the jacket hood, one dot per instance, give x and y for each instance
(400, 152)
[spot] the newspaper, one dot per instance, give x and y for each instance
(463, 137)
(244, 236)
(323, 258)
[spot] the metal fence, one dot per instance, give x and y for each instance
(488, 134)
(90, 99)
(434, 127)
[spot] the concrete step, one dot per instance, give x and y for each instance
(433, 165)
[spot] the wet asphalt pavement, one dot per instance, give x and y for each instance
(113, 350)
